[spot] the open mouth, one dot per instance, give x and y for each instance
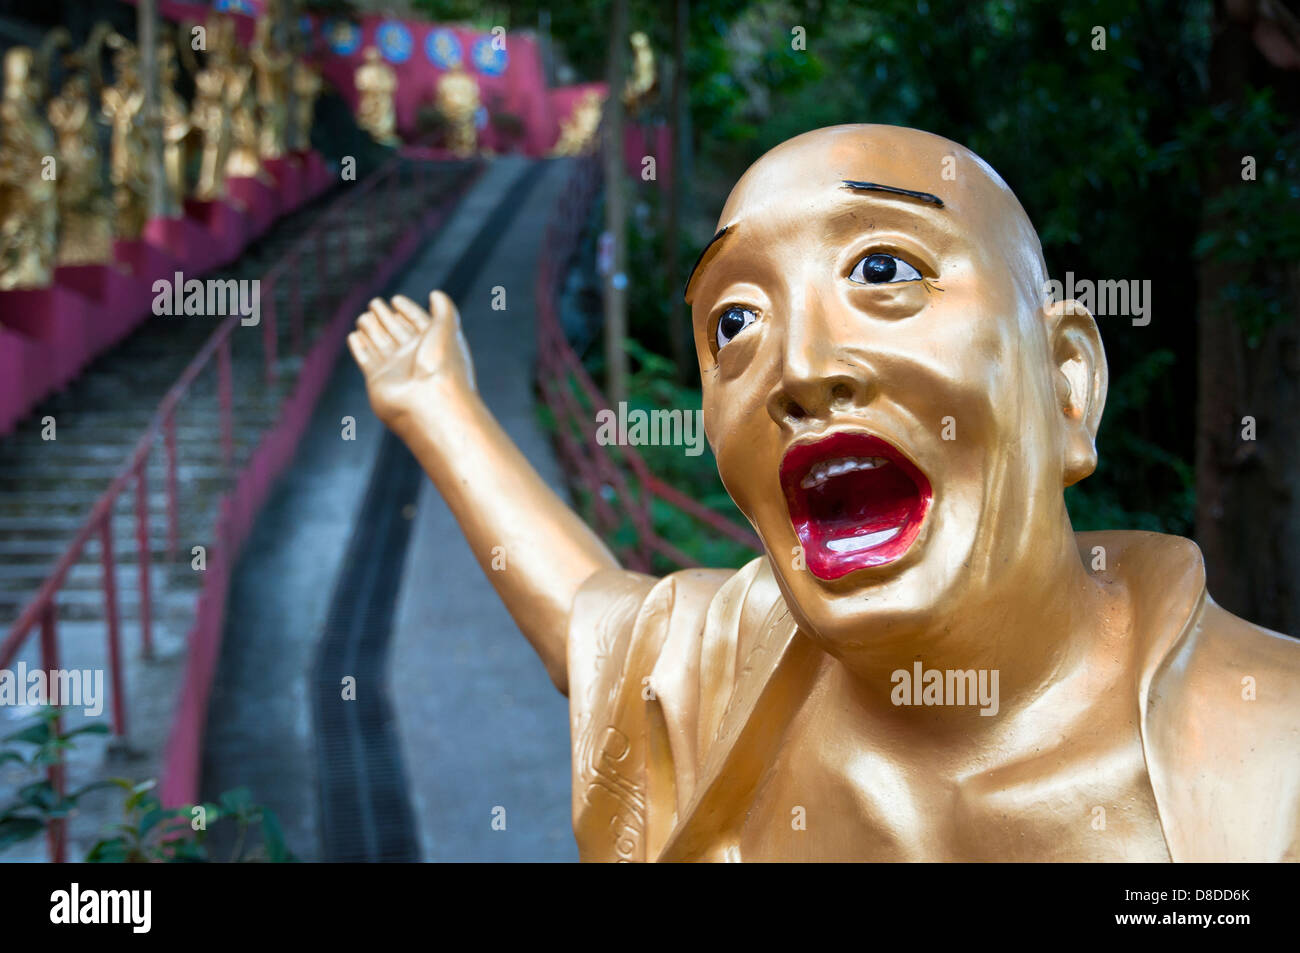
(855, 501)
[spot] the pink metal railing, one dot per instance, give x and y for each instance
(591, 465)
(368, 202)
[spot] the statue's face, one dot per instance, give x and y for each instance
(879, 386)
(18, 65)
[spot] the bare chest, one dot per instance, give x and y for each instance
(828, 796)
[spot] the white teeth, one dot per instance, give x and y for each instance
(855, 544)
(828, 469)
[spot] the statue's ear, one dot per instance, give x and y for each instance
(1080, 377)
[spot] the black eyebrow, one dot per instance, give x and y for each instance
(696, 267)
(877, 187)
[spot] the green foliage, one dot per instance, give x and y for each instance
(652, 385)
(1246, 228)
(148, 833)
(1125, 166)
(1097, 146)
(38, 745)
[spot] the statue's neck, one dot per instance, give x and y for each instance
(1048, 621)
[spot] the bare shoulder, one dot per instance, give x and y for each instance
(1252, 669)
(1221, 722)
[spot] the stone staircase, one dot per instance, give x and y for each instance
(48, 487)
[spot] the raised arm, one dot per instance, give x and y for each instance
(535, 550)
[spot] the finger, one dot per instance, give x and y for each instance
(380, 339)
(396, 326)
(359, 345)
(442, 309)
(412, 312)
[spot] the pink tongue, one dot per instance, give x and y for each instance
(863, 500)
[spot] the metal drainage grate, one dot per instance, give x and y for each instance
(366, 812)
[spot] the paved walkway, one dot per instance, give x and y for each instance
(480, 724)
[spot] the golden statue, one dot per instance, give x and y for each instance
(244, 159)
(123, 103)
(306, 87)
(28, 173)
(176, 127)
(578, 130)
(211, 113)
(85, 223)
(376, 83)
(274, 72)
(927, 663)
(458, 102)
(640, 86)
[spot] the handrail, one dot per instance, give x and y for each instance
(103, 506)
(589, 464)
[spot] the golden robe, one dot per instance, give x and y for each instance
(681, 690)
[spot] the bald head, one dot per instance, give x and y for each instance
(791, 181)
(874, 312)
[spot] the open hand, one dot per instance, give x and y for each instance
(410, 357)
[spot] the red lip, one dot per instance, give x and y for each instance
(879, 495)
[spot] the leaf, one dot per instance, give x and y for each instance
(15, 830)
(34, 734)
(87, 788)
(113, 850)
(236, 801)
(273, 836)
(38, 794)
(11, 756)
(139, 793)
(151, 819)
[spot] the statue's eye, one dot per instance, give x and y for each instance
(732, 322)
(880, 269)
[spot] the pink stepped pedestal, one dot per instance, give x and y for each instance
(146, 263)
(25, 377)
(58, 320)
(117, 298)
(259, 200)
(227, 228)
(185, 239)
(290, 181)
(317, 174)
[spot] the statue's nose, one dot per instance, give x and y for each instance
(819, 373)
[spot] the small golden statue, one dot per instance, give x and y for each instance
(578, 129)
(28, 172)
(376, 83)
(127, 168)
(274, 71)
(85, 223)
(176, 127)
(306, 87)
(211, 115)
(244, 160)
(641, 84)
(458, 102)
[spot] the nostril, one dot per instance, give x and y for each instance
(794, 411)
(842, 393)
